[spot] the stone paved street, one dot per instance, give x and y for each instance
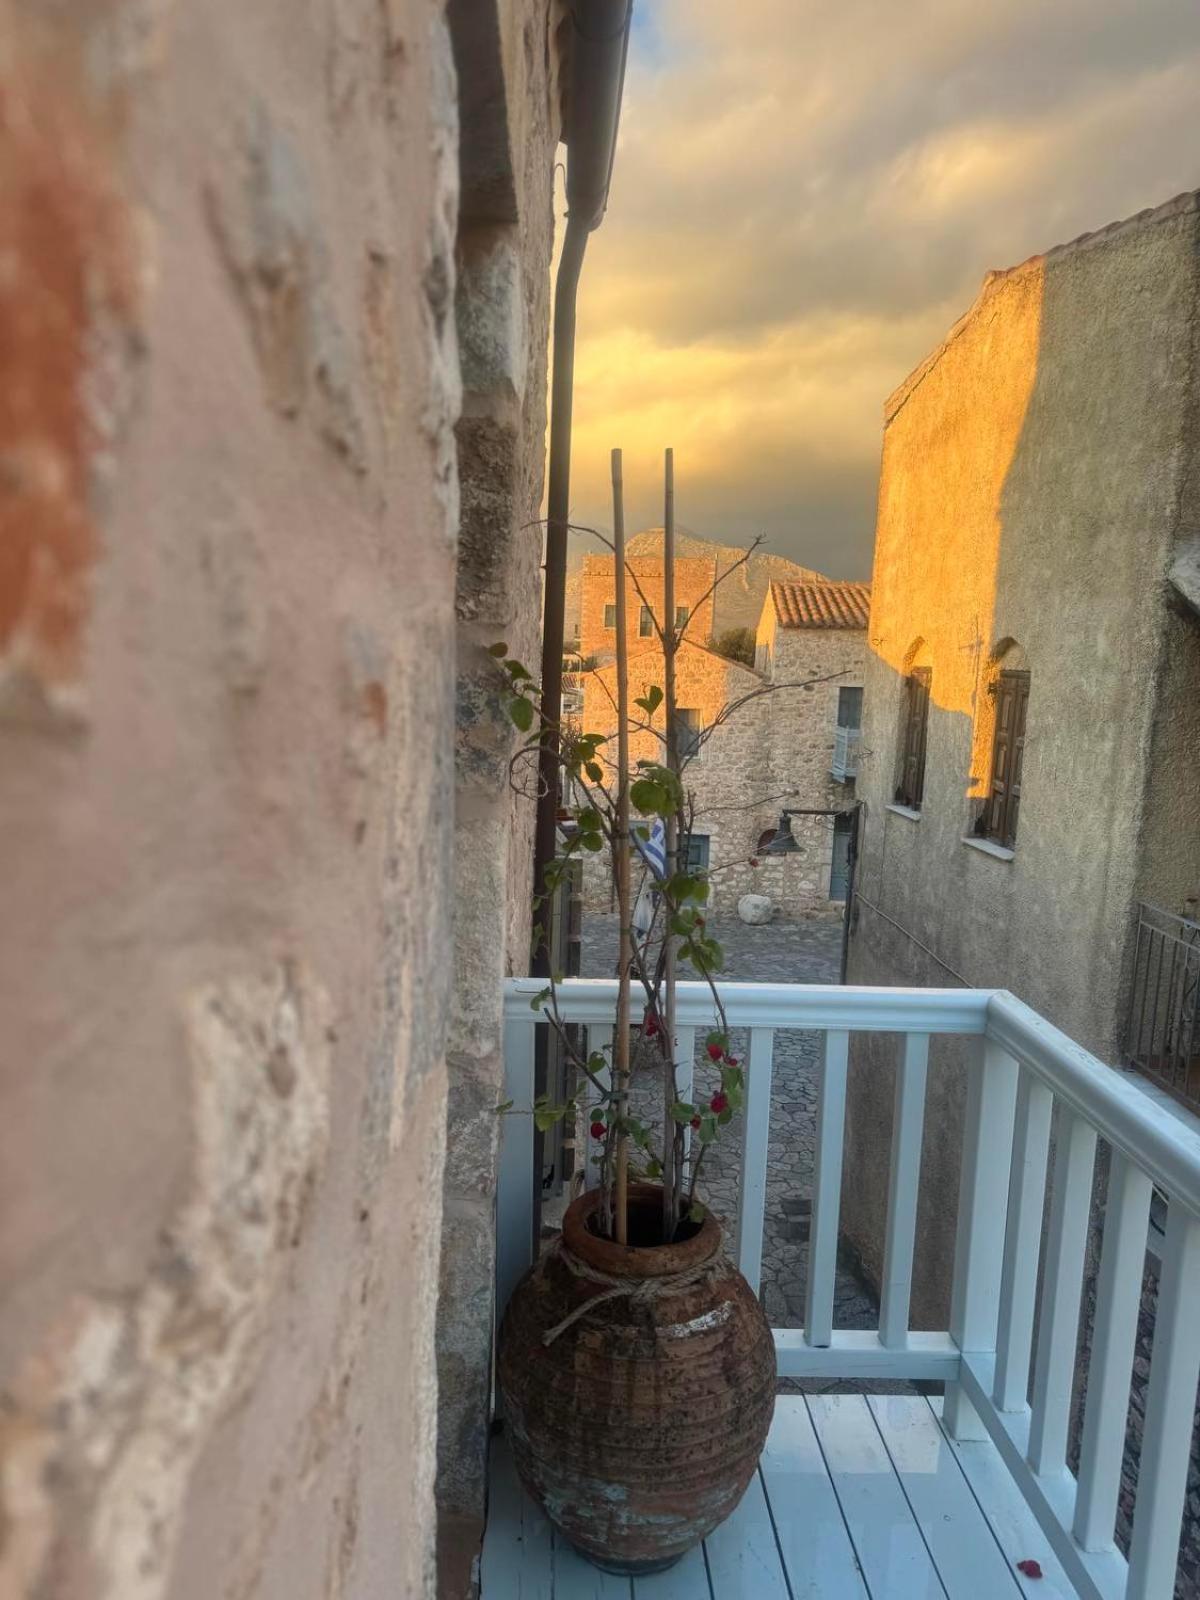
(797, 952)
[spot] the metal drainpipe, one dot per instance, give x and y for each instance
(599, 42)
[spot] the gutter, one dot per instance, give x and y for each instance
(599, 43)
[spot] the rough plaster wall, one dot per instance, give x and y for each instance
(1029, 490)
(226, 639)
(502, 314)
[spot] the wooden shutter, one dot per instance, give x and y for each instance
(916, 723)
(1008, 757)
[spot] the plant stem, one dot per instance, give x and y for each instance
(621, 842)
(671, 1142)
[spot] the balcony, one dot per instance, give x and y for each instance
(844, 765)
(901, 1496)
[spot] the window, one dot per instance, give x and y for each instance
(998, 820)
(688, 730)
(645, 623)
(682, 613)
(839, 866)
(910, 790)
(610, 617)
(849, 708)
(697, 852)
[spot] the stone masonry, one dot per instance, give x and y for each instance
(229, 525)
(773, 751)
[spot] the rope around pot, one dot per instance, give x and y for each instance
(640, 1290)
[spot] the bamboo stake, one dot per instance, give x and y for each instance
(624, 909)
(672, 1137)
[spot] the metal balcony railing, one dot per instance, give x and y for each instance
(844, 765)
(1024, 1073)
(1163, 1034)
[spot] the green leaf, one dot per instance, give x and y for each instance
(504, 1106)
(594, 771)
(498, 650)
(592, 841)
(654, 1167)
(521, 712)
(518, 673)
(651, 700)
(697, 1212)
(708, 1128)
(539, 999)
(725, 1116)
(682, 1112)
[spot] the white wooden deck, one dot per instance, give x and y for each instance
(857, 1498)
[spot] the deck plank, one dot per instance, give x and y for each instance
(743, 1558)
(956, 1532)
(891, 1551)
(817, 1552)
(577, 1579)
(1017, 1530)
(686, 1580)
(517, 1562)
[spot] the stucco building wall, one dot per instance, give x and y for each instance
(1034, 472)
(229, 518)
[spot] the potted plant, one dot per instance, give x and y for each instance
(636, 1366)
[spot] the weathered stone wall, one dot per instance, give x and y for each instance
(506, 56)
(1033, 474)
(228, 517)
(776, 744)
(694, 579)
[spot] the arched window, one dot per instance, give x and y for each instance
(914, 728)
(1008, 692)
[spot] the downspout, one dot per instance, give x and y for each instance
(599, 43)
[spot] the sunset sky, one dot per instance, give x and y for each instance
(806, 197)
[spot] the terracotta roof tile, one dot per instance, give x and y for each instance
(821, 605)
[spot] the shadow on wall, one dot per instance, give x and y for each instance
(1027, 506)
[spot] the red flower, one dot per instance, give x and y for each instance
(716, 1052)
(753, 861)
(718, 1102)
(731, 1061)
(598, 1130)
(1030, 1568)
(695, 1122)
(649, 1025)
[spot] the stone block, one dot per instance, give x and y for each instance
(755, 909)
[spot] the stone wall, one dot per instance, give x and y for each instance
(773, 751)
(1035, 472)
(694, 578)
(228, 518)
(506, 57)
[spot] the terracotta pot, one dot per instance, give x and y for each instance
(638, 1427)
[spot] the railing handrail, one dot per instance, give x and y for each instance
(1120, 1111)
(835, 1006)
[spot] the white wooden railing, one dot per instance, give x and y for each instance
(1021, 1068)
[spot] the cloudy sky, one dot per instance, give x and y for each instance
(807, 195)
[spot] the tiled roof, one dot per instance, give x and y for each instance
(821, 605)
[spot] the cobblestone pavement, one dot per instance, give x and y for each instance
(796, 952)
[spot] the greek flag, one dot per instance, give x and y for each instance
(653, 850)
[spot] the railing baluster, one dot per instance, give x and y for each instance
(979, 1242)
(1118, 1299)
(515, 1177)
(908, 1121)
(752, 1191)
(599, 1037)
(827, 1189)
(1022, 1243)
(685, 1072)
(1054, 1366)
(1170, 1408)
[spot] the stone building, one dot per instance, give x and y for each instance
(1030, 760)
(274, 314)
(695, 581)
(761, 739)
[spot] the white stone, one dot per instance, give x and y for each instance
(755, 909)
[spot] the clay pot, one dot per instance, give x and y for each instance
(639, 1426)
